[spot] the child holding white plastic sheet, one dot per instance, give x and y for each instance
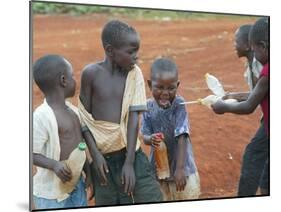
(259, 96)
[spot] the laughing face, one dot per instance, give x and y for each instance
(164, 89)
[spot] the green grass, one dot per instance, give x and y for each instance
(75, 9)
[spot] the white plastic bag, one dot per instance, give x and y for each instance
(214, 85)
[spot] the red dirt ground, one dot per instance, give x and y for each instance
(198, 46)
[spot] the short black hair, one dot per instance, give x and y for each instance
(114, 31)
(244, 31)
(47, 70)
(163, 65)
(259, 31)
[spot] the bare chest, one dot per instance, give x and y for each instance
(107, 98)
(68, 130)
(66, 121)
(111, 88)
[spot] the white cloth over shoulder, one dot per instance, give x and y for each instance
(46, 142)
(110, 136)
(256, 70)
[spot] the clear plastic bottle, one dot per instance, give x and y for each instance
(212, 99)
(209, 100)
(161, 160)
(75, 163)
(214, 85)
(218, 92)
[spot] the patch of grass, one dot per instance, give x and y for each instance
(75, 9)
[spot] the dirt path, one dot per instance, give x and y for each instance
(198, 46)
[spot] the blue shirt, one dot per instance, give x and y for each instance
(172, 122)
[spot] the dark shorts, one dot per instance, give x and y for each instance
(254, 171)
(147, 189)
(264, 181)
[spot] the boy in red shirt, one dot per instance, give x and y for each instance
(259, 96)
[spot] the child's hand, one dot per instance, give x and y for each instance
(62, 171)
(234, 95)
(128, 178)
(100, 166)
(156, 138)
(228, 95)
(219, 107)
(180, 179)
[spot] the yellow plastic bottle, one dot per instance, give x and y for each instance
(75, 163)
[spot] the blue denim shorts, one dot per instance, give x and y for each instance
(77, 198)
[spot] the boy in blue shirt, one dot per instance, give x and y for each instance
(167, 116)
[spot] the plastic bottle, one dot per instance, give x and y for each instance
(214, 85)
(212, 99)
(161, 159)
(75, 163)
(209, 100)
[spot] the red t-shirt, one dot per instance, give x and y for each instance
(264, 103)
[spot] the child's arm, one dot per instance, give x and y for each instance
(56, 166)
(86, 89)
(179, 175)
(147, 139)
(138, 104)
(40, 137)
(255, 80)
(239, 96)
(89, 180)
(128, 172)
(99, 162)
(147, 135)
(182, 137)
(248, 106)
